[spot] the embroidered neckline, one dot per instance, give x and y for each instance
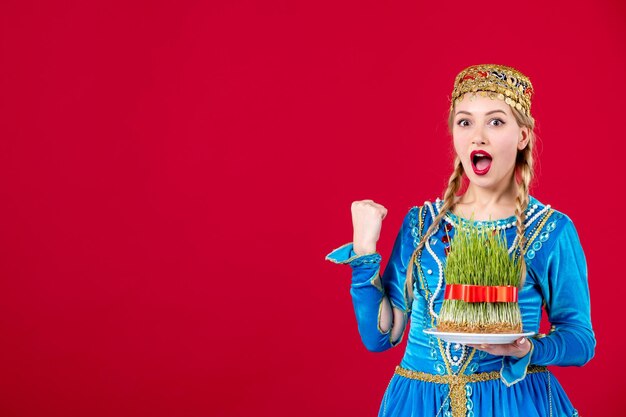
(533, 205)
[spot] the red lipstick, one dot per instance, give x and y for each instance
(481, 161)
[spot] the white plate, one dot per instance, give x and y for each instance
(477, 338)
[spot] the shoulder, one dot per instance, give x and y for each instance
(545, 216)
(411, 218)
(420, 217)
(546, 227)
(426, 207)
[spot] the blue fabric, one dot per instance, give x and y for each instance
(556, 276)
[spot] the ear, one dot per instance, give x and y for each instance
(524, 138)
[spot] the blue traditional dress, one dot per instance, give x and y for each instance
(437, 378)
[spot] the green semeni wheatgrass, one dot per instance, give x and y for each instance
(480, 257)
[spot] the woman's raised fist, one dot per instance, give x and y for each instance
(367, 220)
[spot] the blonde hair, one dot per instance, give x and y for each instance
(523, 168)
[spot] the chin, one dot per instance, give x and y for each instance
(484, 181)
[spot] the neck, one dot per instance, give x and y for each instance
(484, 197)
(488, 203)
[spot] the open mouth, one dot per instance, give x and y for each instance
(481, 162)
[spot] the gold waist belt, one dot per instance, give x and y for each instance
(457, 383)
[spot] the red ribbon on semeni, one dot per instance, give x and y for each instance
(481, 293)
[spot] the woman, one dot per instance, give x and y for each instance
(493, 137)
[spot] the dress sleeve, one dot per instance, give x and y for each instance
(368, 286)
(565, 288)
(571, 341)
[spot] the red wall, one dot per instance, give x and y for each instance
(172, 175)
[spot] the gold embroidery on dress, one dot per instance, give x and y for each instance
(457, 383)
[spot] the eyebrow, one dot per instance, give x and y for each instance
(486, 114)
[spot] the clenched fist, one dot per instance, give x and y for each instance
(367, 220)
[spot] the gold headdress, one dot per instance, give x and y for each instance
(495, 81)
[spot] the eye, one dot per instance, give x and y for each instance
(460, 122)
(500, 122)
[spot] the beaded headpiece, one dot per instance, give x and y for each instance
(496, 81)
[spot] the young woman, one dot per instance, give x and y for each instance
(493, 135)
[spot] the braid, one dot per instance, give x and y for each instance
(525, 165)
(454, 184)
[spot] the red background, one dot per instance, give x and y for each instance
(172, 175)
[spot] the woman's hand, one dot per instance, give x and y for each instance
(519, 348)
(367, 219)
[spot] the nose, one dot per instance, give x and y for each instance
(478, 141)
(479, 137)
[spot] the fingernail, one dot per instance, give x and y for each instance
(521, 342)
